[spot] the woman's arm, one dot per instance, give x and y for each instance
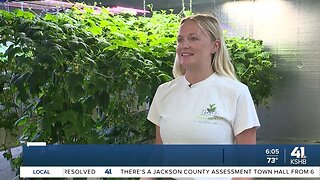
(247, 136)
(158, 139)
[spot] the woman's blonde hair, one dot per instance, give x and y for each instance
(221, 63)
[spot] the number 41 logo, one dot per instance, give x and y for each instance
(108, 171)
(298, 152)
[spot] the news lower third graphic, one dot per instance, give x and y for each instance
(64, 161)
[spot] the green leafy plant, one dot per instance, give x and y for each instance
(82, 77)
(253, 65)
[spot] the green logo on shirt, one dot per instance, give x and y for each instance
(210, 113)
(212, 108)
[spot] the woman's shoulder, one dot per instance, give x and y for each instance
(170, 84)
(230, 83)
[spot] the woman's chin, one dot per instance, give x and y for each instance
(186, 63)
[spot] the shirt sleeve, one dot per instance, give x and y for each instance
(246, 116)
(154, 115)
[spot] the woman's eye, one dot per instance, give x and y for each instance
(193, 38)
(179, 40)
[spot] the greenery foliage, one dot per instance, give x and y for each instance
(79, 77)
(253, 66)
(83, 77)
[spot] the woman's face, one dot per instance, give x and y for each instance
(194, 48)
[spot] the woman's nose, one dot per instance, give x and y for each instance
(185, 44)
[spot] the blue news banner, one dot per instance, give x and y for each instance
(172, 155)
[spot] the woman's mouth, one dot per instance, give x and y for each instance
(184, 54)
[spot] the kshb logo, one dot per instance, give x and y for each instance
(108, 171)
(298, 152)
(298, 156)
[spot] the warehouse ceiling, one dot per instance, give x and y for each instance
(58, 5)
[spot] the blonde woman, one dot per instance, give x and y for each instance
(205, 103)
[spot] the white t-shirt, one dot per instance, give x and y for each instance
(212, 111)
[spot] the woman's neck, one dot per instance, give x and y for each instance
(195, 77)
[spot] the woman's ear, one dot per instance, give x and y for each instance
(215, 46)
